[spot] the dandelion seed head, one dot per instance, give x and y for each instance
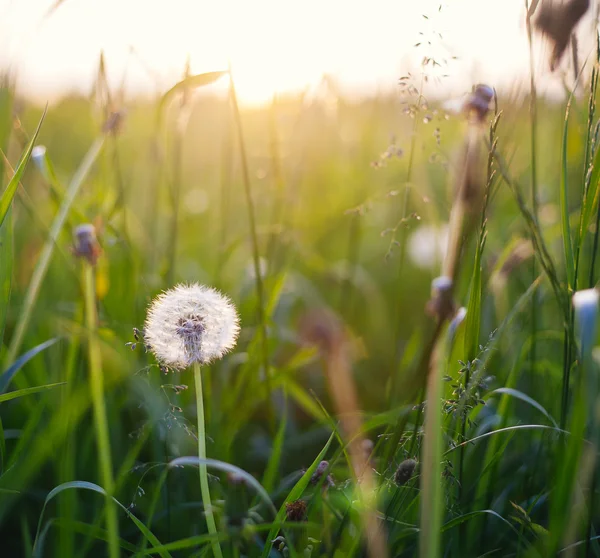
(190, 323)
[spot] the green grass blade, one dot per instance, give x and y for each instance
(28, 391)
(43, 262)
(432, 494)
(564, 202)
(472, 325)
(467, 516)
(294, 495)
(6, 269)
(191, 82)
(85, 485)
(529, 400)
(11, 189)
(10, 372)
(272, 470)
(228, 468)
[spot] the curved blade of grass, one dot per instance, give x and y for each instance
(6, 268)
(432, 494)
(227, 468)
(13, 184)
(28, 391)
(467, 516)
(272, 470)
(523, 397)
(564, 202)
(294, 495)
(472, 325)
(10, 372)
(85, 485)
(507, 429)
(190, 82)
(43, 262)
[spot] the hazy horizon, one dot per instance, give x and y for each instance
(274, 47)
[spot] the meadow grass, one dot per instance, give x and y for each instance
(348, 369)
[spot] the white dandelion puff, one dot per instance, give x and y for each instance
(190, 324)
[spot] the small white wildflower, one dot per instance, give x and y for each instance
(585, 304)
(190, 323)
(427, 245)
(38, 154)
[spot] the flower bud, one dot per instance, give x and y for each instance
(86, 244)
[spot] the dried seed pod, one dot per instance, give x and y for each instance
(296, 511)
(405, 471)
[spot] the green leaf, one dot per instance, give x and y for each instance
(6, 269)
(11, 188)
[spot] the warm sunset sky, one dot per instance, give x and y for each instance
(274, 45)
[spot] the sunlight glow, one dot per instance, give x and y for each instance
(274, 46)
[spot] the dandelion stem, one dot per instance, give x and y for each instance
(101, 422)
(204, 489)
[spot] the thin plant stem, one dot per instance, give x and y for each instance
(533, 167)
(100, 420)
(176, 183)
(204, 488)
(260, 290)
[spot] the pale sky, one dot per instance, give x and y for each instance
(274, 45)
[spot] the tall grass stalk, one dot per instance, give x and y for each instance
(225, 187)
(533, 167)
(41, 268)
(260, 289)
(100, 419)
(204, 488)
(175, 185)
(432, 494)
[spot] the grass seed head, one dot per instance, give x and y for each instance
(190, 323)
